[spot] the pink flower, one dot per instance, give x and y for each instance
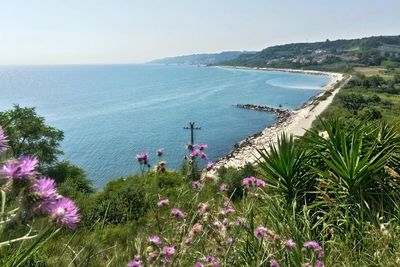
(260, 232)
(188, 241)
(154, 239)
(249, 182)
(211, 259)
(316, 246)
(290, 244)
(45, 192)
(223, 187)
(197, 185)
(65, 213)
(319, 263)
(136, 262)
(168, 252)
(203, 208)
(163, 202)
(177, 213)
(202, 146)
(160, 152)
(273, 263)
(20, 169)
(198, 264)
(143, 158)
(211, 166)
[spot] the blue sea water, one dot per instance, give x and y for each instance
(111, 112)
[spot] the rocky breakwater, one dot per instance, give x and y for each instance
(282, 114)
(243, 151)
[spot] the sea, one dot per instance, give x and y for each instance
(109, 113)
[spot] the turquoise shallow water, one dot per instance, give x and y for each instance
(111, 112)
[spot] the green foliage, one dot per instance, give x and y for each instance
(286, 170)
(338, 55)
(121, 201)
(72, 180)
(29, 135)
(233, 178)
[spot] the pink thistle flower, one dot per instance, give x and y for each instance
(202, 146)
(143, 158)
(188, 241)
(260, 232)
(289, 244)
(203, 155)
(198, 264)
(203, 208)
(3, 141)
(136, 262)
(20, 169)
(197, 185)
(160, 152)
(177, 213)
(163, 202)
(154, 239)
(211, 166)
(65, 213)
(273, 263)
(45, 192)
(168, 253)
(197, 228)
(194, 153)
(249, 182)
(319, 263)
(223, 187)
(316, 246)
(211, 259)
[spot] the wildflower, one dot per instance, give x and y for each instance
(319, 263)
(289, 244)
(260, 232)
(3, 141)
(20, 169)
(143, 158)
(223, 187)
(197, 185)
(201, 147)
(203, 208)
(252, 181)
(211, 166)
(44, 190)
(188, 241)
(197, 228)
(198, 264)
(154, 239)
(273, 263)
(217, 224)
(160, 152)
(194, 153)
(168, 252)
(177, 213)
(161, 166)
(316, 246)
(211, 259)
(136, 262)
(163, 202)
(65, 213)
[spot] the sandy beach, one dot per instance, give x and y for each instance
(295, 124)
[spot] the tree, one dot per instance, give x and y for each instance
(28, 134)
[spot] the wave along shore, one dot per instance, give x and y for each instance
(296, 124)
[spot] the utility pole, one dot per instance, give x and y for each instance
(191, 164)
(192, 129)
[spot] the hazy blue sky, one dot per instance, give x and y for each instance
(131, 31)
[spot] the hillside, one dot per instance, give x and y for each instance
(329, 55)
(201, 59)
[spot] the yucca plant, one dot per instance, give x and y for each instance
(286, 169)
(353, 183)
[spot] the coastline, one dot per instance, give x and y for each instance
(296, 124)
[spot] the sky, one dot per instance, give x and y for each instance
(136, 31)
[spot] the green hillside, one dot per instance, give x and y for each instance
(329, 55)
